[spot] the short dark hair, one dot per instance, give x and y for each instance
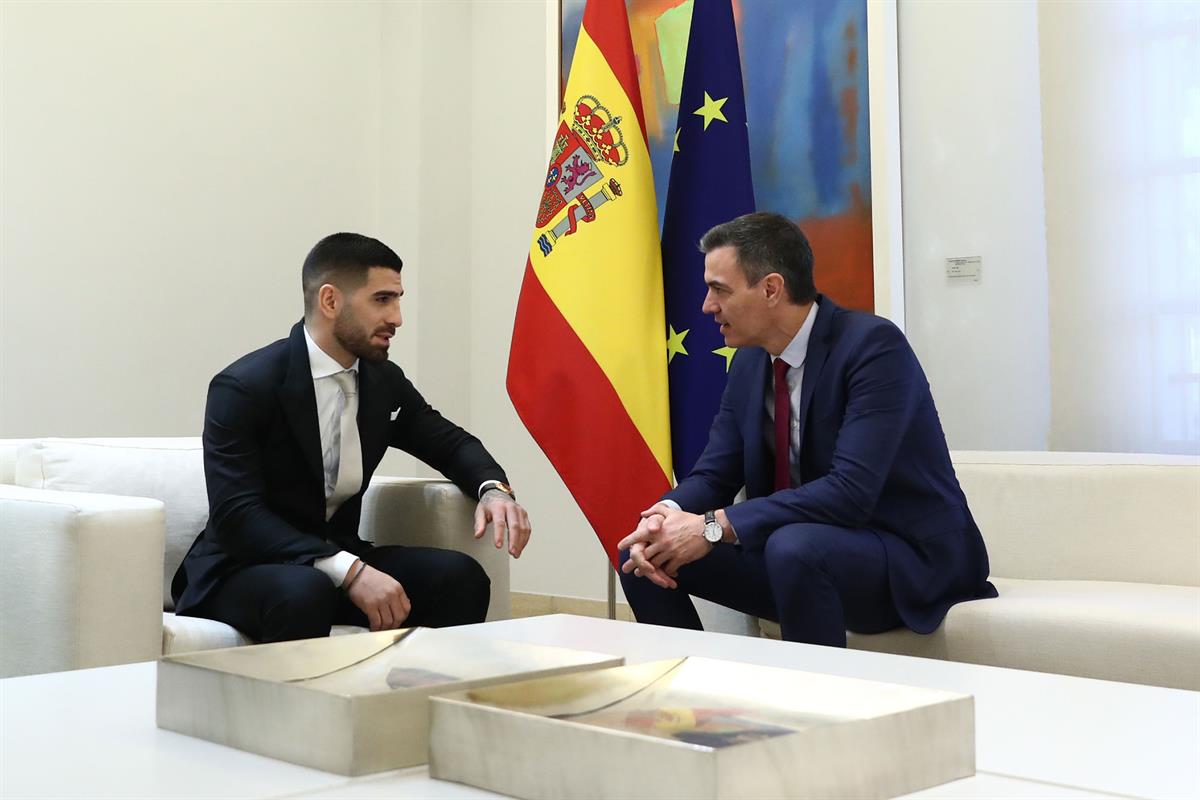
(767, 243)
(343, 259)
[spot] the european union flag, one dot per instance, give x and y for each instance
(710, 184)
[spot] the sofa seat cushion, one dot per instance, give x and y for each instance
(1132, 632)
(186, 634)
(170, 470)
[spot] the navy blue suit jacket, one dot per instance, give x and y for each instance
(872, 456)
(263, 469)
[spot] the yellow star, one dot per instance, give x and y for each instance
(677, 140)
(675, 343)
(726, 353)
(711, 110)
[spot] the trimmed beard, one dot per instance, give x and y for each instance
(350, 335)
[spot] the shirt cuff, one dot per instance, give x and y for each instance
(483, 487)
(336, 566)
(672, 504)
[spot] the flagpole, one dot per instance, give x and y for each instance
(612, 589)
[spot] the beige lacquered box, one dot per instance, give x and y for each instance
(348, 704)
(701, 728)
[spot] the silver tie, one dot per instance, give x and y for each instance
(349, 472)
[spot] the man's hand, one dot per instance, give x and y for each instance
(648, 528)
(665, 540)
(507, 519)
(381, 598)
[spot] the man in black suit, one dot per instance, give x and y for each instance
(292, 434)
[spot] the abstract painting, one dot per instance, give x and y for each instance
(805, 70)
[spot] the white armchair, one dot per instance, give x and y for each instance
(92, 530)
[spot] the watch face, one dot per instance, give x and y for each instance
(712, 532)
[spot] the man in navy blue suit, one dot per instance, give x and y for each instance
(854, 519)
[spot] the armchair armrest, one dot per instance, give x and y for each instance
(80, 580)
(420, 512)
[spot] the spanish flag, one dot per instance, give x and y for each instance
(587, 372)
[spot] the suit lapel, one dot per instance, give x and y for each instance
(373, 415)
(299, 401)
(814, 359)
(758, 468)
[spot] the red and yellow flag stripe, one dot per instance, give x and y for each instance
(587, 369)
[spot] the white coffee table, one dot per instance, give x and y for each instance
(91, 733)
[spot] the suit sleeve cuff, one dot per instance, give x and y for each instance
(744, 533)
(336, 566)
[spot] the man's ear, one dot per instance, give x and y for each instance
(329, 300)
(773, 288)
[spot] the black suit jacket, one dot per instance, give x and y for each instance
(262, 463)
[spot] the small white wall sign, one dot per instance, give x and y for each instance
(967, 269)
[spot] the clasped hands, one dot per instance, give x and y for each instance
(665, 540)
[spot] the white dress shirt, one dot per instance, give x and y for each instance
(330, 401)
(794, 355)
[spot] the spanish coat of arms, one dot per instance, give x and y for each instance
(575, 180)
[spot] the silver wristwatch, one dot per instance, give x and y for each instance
(712, 528)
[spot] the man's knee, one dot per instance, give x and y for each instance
(301, 607)
(462, 575)
(801, 545)
(462, 570)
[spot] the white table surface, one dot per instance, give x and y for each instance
(91, 733)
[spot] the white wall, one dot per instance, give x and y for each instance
(1121, 108)
(165, 169)
(972, 163)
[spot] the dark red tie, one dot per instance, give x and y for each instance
(783, 416)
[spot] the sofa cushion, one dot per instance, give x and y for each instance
(1086, 516)
(170, 470)
(186, 634)
(1132, 632)
(8, 458)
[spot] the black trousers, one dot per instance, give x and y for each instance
(280, 602)
(817, 581)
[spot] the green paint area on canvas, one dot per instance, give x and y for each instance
(673, 26)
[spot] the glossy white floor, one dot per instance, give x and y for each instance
(91, 733)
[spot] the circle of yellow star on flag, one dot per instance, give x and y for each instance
(711, 110)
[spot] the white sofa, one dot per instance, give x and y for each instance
(1097, 561)
(92, 530)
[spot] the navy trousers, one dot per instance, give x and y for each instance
(279, 602)
(816, 581)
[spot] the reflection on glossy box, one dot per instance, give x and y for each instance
(348, 704)
(701, 728)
